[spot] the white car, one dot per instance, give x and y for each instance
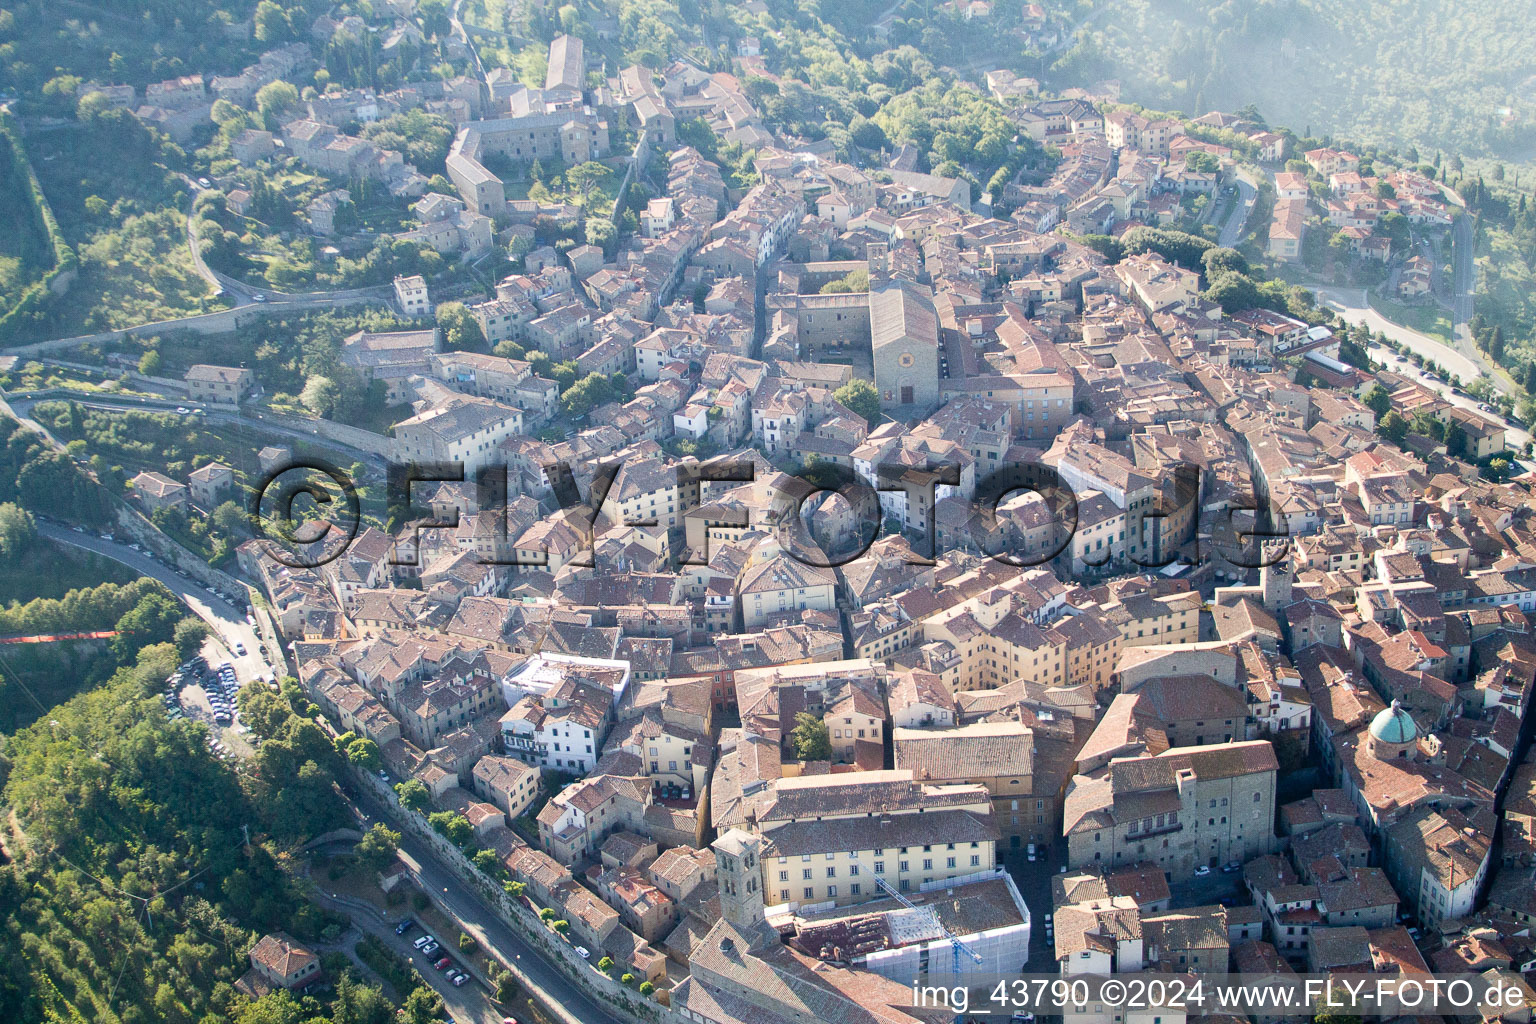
(1202, 871)
(183, 410)
(584, 952)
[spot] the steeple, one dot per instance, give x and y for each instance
(740, 875)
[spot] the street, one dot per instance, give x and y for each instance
(470, 1003)
(225, 620)
(1232, 230)
(546, 981)
(1351, 305)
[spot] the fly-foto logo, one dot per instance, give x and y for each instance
(1023, 514)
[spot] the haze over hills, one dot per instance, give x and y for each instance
(1428, 73)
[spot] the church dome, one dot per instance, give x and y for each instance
(1394, 725)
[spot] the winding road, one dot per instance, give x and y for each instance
(227, 622)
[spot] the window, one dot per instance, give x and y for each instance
(810, 893)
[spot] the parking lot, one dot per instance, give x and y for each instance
(203, 689)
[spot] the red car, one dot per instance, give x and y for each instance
(443, 963)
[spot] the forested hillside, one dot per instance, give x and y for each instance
(1456, 76)
(134, 896)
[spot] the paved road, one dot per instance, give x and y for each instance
(1351, 304)
(1232, 231)
(462, 1004)
(486, 925)
(211, 414)
(227, 622)
(1517, 436)
(244, 294)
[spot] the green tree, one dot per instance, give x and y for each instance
(487, 862)
(378, 847)
(1378, 400)
(1393, 427)
(18, 532)
(152, 621)
(1223, 260)
(506, 987)
(861, 398)
(602, 233)
(149, 363)
(585, 179)
(364, 753)
(413, 795)
(188, 636)
(230, 522)
(853, 281)
(1200, 160)
(320, 396)
(810, 738)
(422, 1006)
(587, 394)
(92, 105)
(276, 98)
(461, 331)
(271, 23)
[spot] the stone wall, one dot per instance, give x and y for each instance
(625, 1003)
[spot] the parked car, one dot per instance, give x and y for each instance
(1231, 866)
(431, 949)
(404, 926)
(584, 952)
(421, 941)
(1202, 871)
(443, 963)
(459, 979)
(240, 649)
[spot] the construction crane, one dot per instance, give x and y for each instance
(956, 945)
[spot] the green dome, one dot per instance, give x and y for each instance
(1394, 725)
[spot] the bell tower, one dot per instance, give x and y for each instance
(740, 875)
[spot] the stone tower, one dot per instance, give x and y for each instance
(739, 874)
(1275, 581)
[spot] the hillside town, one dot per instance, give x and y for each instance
(885, 577)
(724, 764)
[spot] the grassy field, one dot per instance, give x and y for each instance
(1431, 318)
